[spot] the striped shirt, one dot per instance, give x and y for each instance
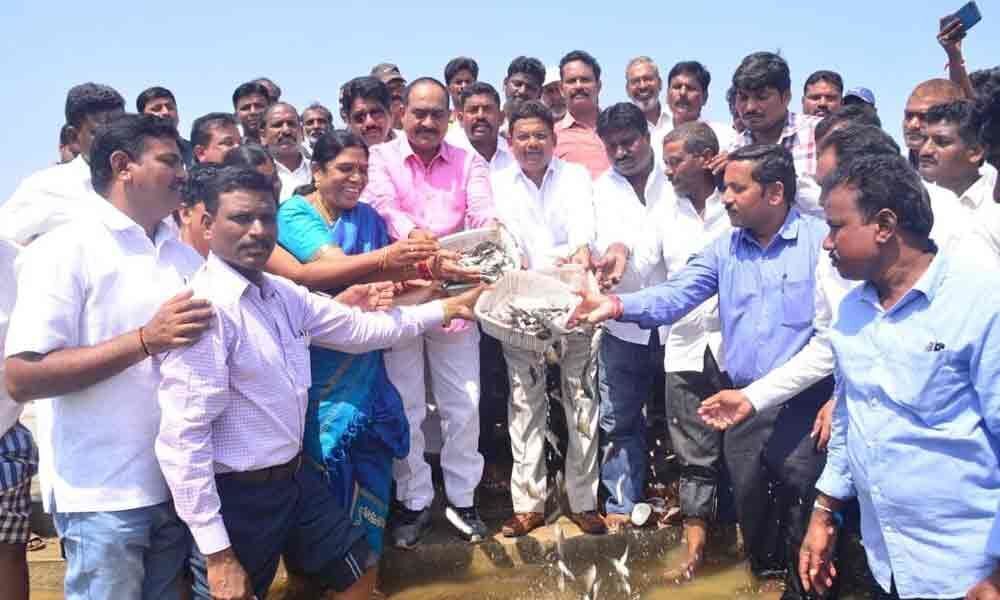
(799, 138)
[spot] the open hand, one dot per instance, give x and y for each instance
(594, 308)
(445, 267)
(369, 297)
(725, 409)
(462, 305)
(180, 321)
(406, 253)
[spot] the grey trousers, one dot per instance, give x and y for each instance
(527, 423)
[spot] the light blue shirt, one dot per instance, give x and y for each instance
(765, 295)
(915, 429)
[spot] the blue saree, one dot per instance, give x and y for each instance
(355, 424)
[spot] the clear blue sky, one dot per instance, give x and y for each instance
(202, 50)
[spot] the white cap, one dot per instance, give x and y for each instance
(552, 75)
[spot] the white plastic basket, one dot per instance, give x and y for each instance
(523, 284)
(466, 240)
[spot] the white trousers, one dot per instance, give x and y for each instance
(527, 412)
(452, 360)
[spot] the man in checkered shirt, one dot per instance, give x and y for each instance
(18, 457)
(763, 90)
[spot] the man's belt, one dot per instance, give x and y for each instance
(282, 472)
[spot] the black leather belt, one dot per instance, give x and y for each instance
(282, 472)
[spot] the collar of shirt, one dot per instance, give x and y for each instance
(793, 124)
(231, 284)
(714, 209)
(927, 286)
(979, 191)
(663, 124)
(789, 231)
(444, 152)
(303, 166)
(115, 220)
(654, 185)
(551, 172)
(568, 122)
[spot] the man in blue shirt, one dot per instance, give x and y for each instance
(764, 274)
(915, 428)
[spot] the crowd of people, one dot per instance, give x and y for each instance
(231, 340)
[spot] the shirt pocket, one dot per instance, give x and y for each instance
(797, 302)
(298, 361)
(930, 388)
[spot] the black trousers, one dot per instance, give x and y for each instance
(698, 446)
(774, 466)
(494, 439)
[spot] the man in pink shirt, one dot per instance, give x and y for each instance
(425, 188)
(576, 134)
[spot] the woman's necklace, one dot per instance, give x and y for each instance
(316, 199)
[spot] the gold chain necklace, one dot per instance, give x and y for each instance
(316, 199)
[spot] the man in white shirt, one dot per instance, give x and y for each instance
(987, 230)
(18, 455)
(459, 73)
(952, 155)
(96, 299)
(687, 96)
(643, 85)
(547, 206)
(60, 194)
(690, 217)
(480, 116)
(281, 133)
(630, 359)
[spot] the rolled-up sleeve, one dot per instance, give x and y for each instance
(836, 480)
(193, 391)
(668, 302)
(480, 209)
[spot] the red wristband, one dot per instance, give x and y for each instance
(424, 270)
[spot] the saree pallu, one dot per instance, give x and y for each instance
(355, 424)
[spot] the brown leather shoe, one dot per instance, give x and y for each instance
(589, 522)
(522, 524)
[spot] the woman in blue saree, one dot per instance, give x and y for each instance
(355, 424)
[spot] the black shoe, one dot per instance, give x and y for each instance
(466, 520)
(410, 526)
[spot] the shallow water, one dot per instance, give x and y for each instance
(722, 580)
